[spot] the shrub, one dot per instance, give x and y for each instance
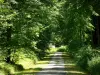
(62, 48)
(74, 45)
(24, 58)
(82, 57)
(22, 53)
(94, 66)
(6, 68)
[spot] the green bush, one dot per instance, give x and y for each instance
(62, 48)
(94, 66)
(74, 45)
(24, 58)
(22, 53)
(6, 68)
(83, 56)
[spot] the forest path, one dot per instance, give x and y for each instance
(55, 67)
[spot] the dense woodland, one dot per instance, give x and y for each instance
(29, 27)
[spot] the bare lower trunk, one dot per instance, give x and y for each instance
(8, 44)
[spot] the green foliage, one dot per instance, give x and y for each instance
(27, 27)
(7, 68)
(94, 66)
(22, 53)
(83, 56)
(62, 49)
(74, 45)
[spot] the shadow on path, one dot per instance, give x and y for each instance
(70, 66)
(57, 66)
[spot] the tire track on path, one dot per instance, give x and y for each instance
(55, 66)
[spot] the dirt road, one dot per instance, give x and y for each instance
(55, 67)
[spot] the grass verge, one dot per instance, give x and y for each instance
(36, 68)
(70, 66)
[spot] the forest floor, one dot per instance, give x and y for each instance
(59, 63)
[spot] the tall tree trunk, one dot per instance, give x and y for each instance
(96, 33)
(98, 30)
(9, 29)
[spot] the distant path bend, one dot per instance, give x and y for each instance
(55, 67)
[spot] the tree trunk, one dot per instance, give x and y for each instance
(8, 44)
(98, 30)
(96, 33)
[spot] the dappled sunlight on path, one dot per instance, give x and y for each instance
(70, 66)
(60, 64)
(55, 67)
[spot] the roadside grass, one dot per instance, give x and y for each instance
(38, 66)
(70, 66)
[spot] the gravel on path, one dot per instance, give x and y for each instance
(55, 66)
